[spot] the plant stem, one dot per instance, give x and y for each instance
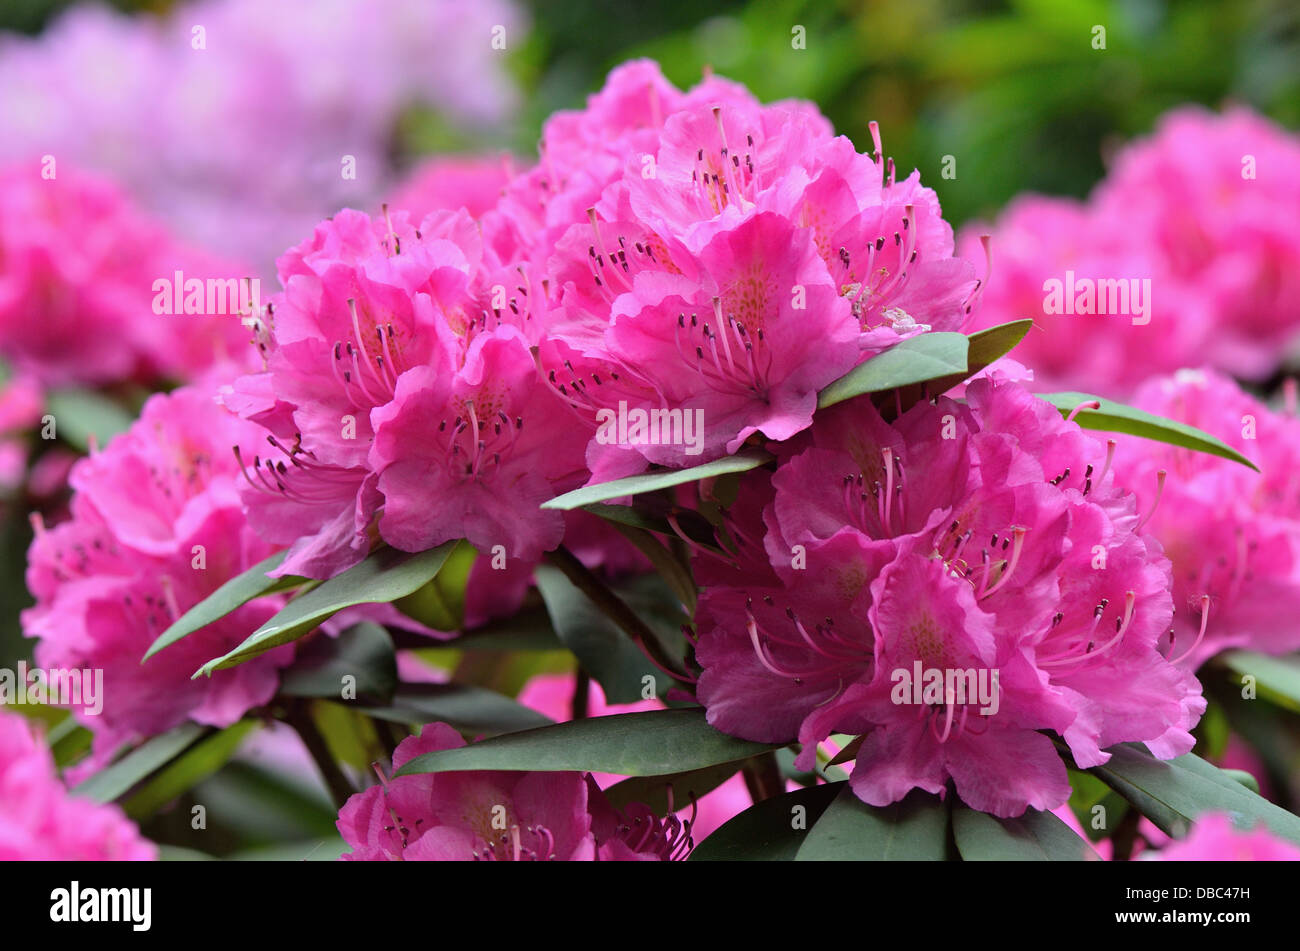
(763, 777)
(615, 609)
(300, 719)
(581, 694)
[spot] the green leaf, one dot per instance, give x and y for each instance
(600, 645)
(927, 356)
(653, 790)
(440, 604)
(386, 575)
(1173, 793)
(528, 630)
(655, 743)
(364, 651)
(108, 784)
(236, 592)
(770, 831)
(653, 481)
(196, 764)
(1035, 837)
(1278, 677)
(675, 574)
(81, 414)
(469, 709)
(985, 347)
(1118, 418)
(915, 829)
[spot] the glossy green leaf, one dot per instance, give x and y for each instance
(1278, 678)
(186, 771)
(108, 784)
(384, 576)
(927, 356)
(770, 831)
(470, 709)
(1118, 418)
(440, 604)
(1034, 837)
(600, 645)
(236, 592)
(915, 829)
(364, 652)
(652, 791)
(1173, 793)
(985, 347)
(80, 415)
(654, 743)
(653, 481)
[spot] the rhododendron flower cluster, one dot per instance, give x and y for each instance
(1188, 219)
(570, 417)
(78, 266)
(707, 253)
(394, 383)
(156, 527)
(40, 821)
(1232, 534)
(982, 537)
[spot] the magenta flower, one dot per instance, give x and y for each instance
(721, 260)
(1232, 534)
(1203, 191)
(497, 816)
(156, 527)
(1215, 838)
(78, 266)
(39, 821)
(1079, 274)
(974, 539)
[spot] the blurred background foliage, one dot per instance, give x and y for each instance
(1014, 90)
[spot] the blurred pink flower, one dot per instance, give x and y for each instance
(1216, 838)
(156, 527)
(39, 821)
(306, 116)
(1232, 534)
(78, 266)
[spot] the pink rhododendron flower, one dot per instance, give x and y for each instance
(156, 527)
(39, 821)
(1233, 534)
(720, 259)
(495, 815)
(446, 184)
(1178, 258)
(1055, 261)
(78, 264)
(1215, 838)
(400, 381)
(1204, 191)
(976, 538)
